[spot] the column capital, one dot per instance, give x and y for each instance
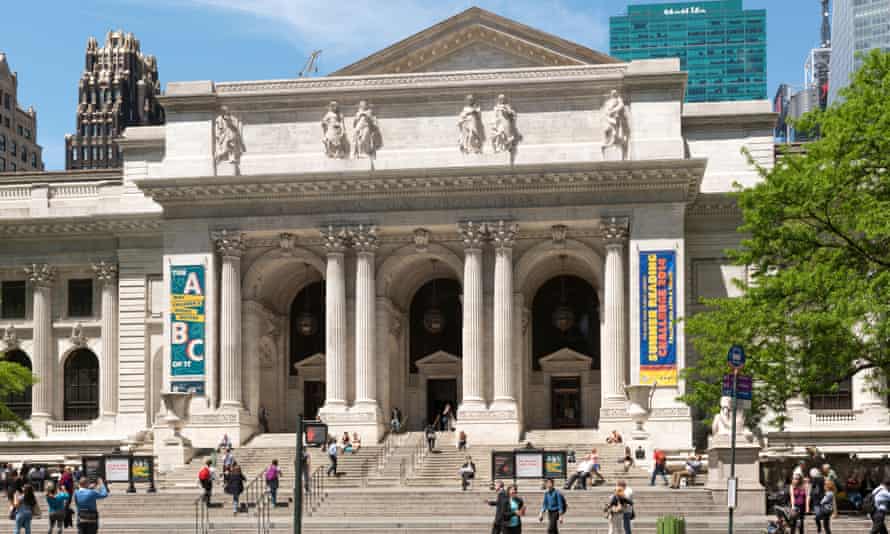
(503, 234)
(105, 272)
(364, 238)
(41, 274)
(336, 239)
(229, 243)
(615, 230)
(473, 234)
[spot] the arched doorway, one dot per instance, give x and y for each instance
(566, 346)
(307, 339)
(435, 341)
(19, 403)
(81, 386)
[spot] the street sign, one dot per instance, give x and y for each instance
(744, 387)
(736, 357)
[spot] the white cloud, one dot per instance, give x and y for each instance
(348, 31)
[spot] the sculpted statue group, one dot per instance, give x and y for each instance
(367, 139)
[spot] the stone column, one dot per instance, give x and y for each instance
(473, 236)
(107, 276)
(43, 361)
(867, 398)
(614, 362)
(364, 240)
(230, 246)
(503, 236)
(335, 241)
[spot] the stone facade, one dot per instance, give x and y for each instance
(19, 151)
(313, 265)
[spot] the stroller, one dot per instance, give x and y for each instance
(782, 524)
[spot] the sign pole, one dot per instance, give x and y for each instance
(298, 479)
(735, 384)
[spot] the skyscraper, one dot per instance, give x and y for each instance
(857, 26)
(118, 88)
(19, 150)
(721, 45)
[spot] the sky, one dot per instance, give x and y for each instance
(224, 40)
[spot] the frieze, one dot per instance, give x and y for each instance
(500, 416)
(680, 411)
(580, 73)
(81, 227)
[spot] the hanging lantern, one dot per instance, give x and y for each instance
(433, 318)
(307, 324)
(563, 316)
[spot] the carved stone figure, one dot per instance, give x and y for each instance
(10, 338)
(721, 428)
(470, 125)
(78, 339)
(227, 132)
(366, 137)
(334, 133)
(615, 125)
(506, 136)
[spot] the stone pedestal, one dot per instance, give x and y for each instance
(751, 495)
(490, 427)
(173, 451)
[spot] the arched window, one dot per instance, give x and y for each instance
(81, 386)
(19, 403)
(307, 334)
(435, 320)
(565, 313)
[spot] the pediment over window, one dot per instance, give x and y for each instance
(475, 39)
(565, 360)
(316, 361)
(439, 364)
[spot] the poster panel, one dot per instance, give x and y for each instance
(529, 464)
(141, 470)
(555, 464)
(187, 320)
(117, 468)
(93, 467)
(502, 464)
(658, 318)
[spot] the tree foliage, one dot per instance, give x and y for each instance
(817, 245)
(15, 379)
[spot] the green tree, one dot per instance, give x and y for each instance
(15, 379)
(817, 242)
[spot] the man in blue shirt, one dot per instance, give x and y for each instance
(85, 497)
(881, 496)
(554, 506)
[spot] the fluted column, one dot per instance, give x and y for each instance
(43, 363)
(503, 236)
(107, 276)
(230, 246)
(473, 236)
(335, 241)
(614, 364)
(364, 240)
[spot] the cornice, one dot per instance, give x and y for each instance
(747, 120)
(24, 228)
(51, 177)
(652, 175)
(714, 205)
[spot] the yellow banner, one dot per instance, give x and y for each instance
(187, 308)
(663, 377)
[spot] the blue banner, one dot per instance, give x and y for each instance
(658, 318)
(187, 321)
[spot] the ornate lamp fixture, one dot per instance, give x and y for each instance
(307, 323)
(563, 315)
(433, 318)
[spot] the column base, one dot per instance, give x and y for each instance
(40, 424)
(365, 419)
(498, 425)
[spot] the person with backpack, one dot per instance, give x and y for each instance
(205, 479)
(85, 498)
(25, 509)
(554, 505)
(332, 457)
(56, 502)
(430, 435)
(615, 510)
(877, 506)
(235, 485)
(273, 475)
(629, 513)
(826, 509)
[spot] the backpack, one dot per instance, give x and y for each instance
(204, 474)
(868, 504)
(562, 501)
(272, 473)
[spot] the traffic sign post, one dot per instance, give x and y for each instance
(735, 384)
(736, 359)
(316, 433)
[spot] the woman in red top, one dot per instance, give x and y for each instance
(798, 495)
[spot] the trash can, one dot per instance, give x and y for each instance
(670, 524)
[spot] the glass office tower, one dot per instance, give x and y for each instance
(857, 26)
(720, 45)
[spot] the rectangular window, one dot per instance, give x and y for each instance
(80, 297)
(12, 166)
(21, 131)
(27, 133)
(13, 148)
(24, 155)
(7, 103)
(842, 399)
(13, 299)
(2, 143)
(2, 164)
(34, 159)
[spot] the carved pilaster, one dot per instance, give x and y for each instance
(105, 272)
(229, 243)
(503, 234)
(363, 238)
(41, 274)
(472, 234)
(615, 230)
(335, 239)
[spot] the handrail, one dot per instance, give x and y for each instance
(317, 490)
(202, 516)
(264, 508)
(255, 489)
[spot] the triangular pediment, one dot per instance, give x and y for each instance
(440, 357)
(314, 361)
(475, 39)
(565, 360)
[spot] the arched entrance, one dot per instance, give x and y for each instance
(307, 340)
(435, 339)
(81, 400)
(19, 403)
(566, 346)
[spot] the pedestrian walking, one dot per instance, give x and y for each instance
(467, 472)
(445, 418)
(205, 480)
(595, 470)
(501, 504)
(880, 502)
(56, 502)
(515, 512)
(26, 509)
(660, 467)
(332, 457)
(395, 420)
(85, 498)
(307, 463)
(235, 486)
(462, 441)
(264, 419)
(554, 507)
(228, 461)
(629, 514)
(615, 510)
(273, 476)
(430, 434)
(798, 495)
(827, 508)
(628, 460)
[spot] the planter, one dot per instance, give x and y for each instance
(177, 405)
(639, 403)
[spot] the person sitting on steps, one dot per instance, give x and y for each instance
(467, 473)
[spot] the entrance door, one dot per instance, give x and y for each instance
(313, 398)
(565, 395)
(438, 392)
